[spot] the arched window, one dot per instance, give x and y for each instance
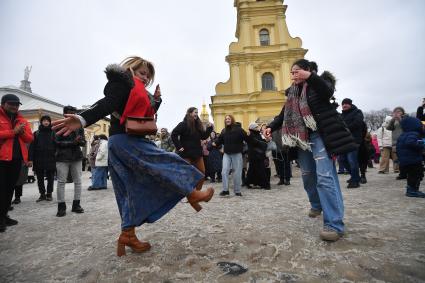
(264, 37)
(267, 81)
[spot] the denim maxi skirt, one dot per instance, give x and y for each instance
(148, 181)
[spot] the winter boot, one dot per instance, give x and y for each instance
(353, 185)
(195, 197)
(41, 198)
(17, 200)
(313, 213)
(330, 235)
(61, 209)
(49, 197)
(128, 238)
(9, 221)
(363, 179)
(414, 193)
(76, 207)
(2, 224)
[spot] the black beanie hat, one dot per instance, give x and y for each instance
(347, 101)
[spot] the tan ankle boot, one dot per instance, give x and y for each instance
(195, 197)
(128, 238)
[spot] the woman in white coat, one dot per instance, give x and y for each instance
(100, 175)
(385, 145)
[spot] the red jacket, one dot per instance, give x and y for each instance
(7, 136)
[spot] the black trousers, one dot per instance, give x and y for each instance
(49, 174)
(363, 167)
(9, 174)
(283, 166)
(18, 191)
(414, 173)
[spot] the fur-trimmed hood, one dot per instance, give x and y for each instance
(328, 76)
(115, 72)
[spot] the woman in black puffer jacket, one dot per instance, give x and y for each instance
(310, 122)
(187, 136)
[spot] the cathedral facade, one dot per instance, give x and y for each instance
(259, 63)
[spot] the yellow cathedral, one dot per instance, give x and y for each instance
(259, 63)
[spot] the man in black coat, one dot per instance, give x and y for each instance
(420, 114)
(353, 118)
(42, 156)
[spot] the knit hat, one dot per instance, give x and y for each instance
(347, 101)
(253, 126)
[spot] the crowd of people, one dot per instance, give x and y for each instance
(152, 173)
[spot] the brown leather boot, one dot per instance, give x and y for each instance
(128, 238)
(199, 196)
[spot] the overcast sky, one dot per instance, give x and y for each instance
(375, 48)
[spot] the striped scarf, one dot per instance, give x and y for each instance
(297, 119)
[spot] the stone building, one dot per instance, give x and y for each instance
(34, 106)
(259, 63)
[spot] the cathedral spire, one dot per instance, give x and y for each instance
(205, 117)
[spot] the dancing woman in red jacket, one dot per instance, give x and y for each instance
(148, 181)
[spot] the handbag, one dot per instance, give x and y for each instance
(141, 126)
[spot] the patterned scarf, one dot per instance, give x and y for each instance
(298, 119)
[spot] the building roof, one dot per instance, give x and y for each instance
(31, 100)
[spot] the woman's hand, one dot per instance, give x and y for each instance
(66, 126)
(303, 74)
(300, 75)
(157, 94)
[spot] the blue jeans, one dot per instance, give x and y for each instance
(342, 163)
(352, 163)
(232, 161)
(99, 176)
(321, 183)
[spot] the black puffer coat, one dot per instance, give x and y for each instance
(353, 118)
(68, 149)
(332, 129)
(182, 136)
(232, 138)
(42, 149)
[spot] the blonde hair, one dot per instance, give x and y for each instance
(134, 63)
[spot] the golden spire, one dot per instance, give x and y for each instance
(205, 117)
